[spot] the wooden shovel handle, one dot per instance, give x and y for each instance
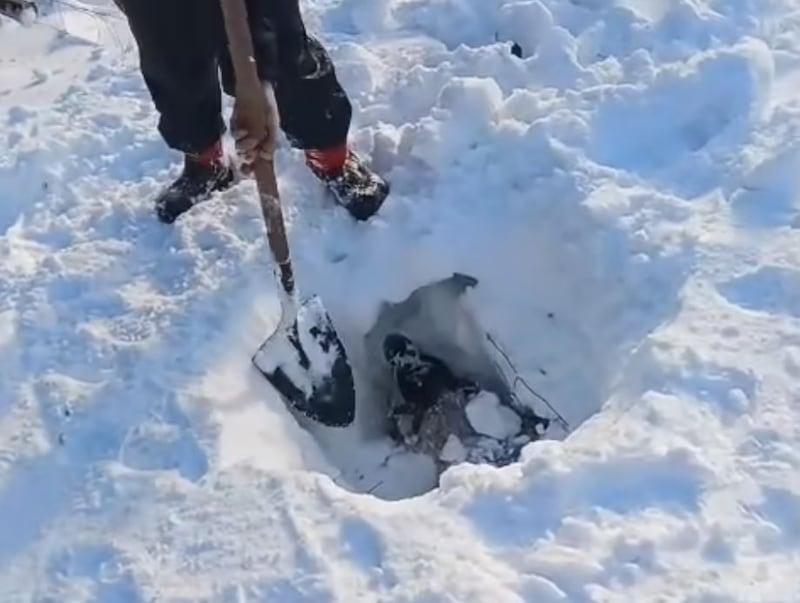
(253, 102)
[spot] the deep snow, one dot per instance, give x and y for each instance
(626, 193)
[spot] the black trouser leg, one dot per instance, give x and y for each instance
(314, 110)
(178, 43)
(182, 45)
(313, 106)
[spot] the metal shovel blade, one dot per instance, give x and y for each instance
(306, 362)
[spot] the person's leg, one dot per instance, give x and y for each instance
(317, 116)
(313, 107)
(178, 45)
(314, 110)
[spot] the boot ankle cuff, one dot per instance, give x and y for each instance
(330, 161)
(213, 155)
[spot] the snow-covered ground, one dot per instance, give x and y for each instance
(627, 194)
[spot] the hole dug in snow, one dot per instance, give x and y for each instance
(548, 331)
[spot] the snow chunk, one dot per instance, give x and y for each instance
(453, 450)
(524, 23)
(488, 417)
(476, 98)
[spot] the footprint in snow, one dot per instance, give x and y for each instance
(780, 510)
(108, 577)
(363, 544)
(767, 194)
(365, 547)
(156, 446)
(769, 289)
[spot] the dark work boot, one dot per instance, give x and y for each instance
(202, 175)
(354, 186)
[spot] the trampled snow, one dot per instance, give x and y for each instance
(626, 194)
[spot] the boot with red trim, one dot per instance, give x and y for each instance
(354, 185)
(203, 174)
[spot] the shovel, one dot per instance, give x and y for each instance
(304, 359)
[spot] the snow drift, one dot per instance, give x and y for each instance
(624, 193)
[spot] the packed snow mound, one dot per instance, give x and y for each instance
(624, 191)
